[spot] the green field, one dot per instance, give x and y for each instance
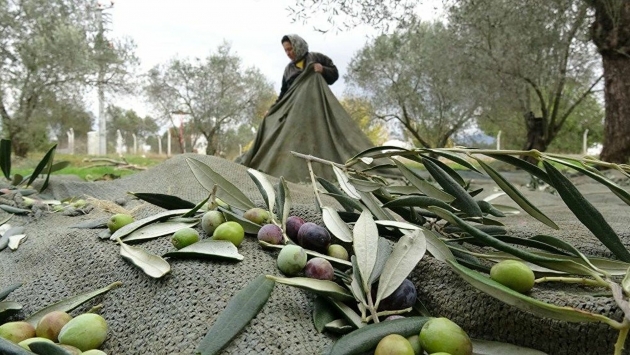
(87, 167)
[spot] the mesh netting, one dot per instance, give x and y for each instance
(172, 315)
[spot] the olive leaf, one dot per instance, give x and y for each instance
(339, 326)
(516, 195)
(407, 252)
(14, 210)
(8, 308)
(194, 210)
(320, 287)
(522, 164)
(463, 200)
(5, 158)
(127, 229)
(553, 263)
(455, 158)
(70, 303)
(397, 224)
(356, 283)
(248, 226)
(336, 225)
(156, 230)
(387, 150)
(364, 185)
(601, 265)
(11, 231)
(365, 242)
(229, 193)
(344, 183)
(524, 302)
(168, 202)
(45, 163)
(264, 186)
(16, 240)
(150, 264)
(46, 348)
(384, 250)
(486, 347)
(92, 224)
(240, 310)
(7, 290)
(445, 168)
(216, 249)
(2, 222)
(286, 201)
(586, 213)
(560, 244)
(418, 201)
(423, 185)
(616, 189)
(322, 313)
(366, 338)
(402, 190)
(10, 348)
(436, 247)
(348, 313)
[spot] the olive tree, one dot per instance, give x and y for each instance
(53, 46)
(607, 22)
(215, 94)
(412, 79)
(537, 53)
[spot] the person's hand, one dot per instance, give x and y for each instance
(318, 68)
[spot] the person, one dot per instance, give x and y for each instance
(296, 49)
(306, 118)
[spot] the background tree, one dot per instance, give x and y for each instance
(216, 93)
(129, 123)
(413, 79)
(52, 46)
(609, 31)
(588, 115)
(362, 112)
(536, 52)
(56, 115)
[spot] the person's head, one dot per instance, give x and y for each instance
(295, 47)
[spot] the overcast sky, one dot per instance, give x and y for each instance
(194, 28)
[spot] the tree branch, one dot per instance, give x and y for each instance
(578, 101)
(563, 69)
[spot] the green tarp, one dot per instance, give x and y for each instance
(310, 120)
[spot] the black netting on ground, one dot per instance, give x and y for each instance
(171, 315)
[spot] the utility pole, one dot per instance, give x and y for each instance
(102, 119)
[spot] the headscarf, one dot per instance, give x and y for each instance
(300, 47)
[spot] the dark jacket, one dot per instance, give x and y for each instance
(330, 73)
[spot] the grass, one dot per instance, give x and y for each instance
(80, 165)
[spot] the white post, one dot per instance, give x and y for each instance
(168, 144)
(92, 143)
(499, 140)
(135, 143)
(102, 119)
(70, 135)
(119, 143)
(585, 142)
(159, 138)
